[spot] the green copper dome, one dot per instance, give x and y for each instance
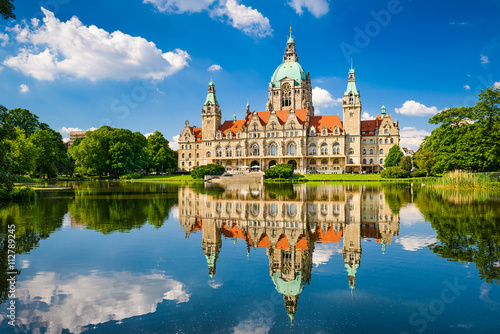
(292, 288)
(292, 70)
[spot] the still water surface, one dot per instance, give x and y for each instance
(138, 258)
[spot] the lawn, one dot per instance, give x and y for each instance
(349, 177)
(166, 178)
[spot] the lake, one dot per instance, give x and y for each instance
(110, 257)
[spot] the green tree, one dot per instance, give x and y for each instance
(160, 155)
(50, 151)
(406, 163)
(91, 153)
(7, 9)
(21, 152)
(394, 157)
(6, 177)
(468, 137)
(210, 169)
(23, 119)
(424, 161)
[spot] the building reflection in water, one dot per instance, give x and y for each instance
(288, 223)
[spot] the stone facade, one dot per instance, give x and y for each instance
(288, 131)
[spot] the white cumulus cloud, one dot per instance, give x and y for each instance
(180, 6)
(317, 8)
(411, 138)
(241, 17)
(214, 68)
(413, 243)
(323, 99)
(70, 48)
(497, 85)
(76, 301)
(484, 59)
(324, 252)
(23, 89)
(413, 108)
(4, 39)
(174, 143)
(366, 116)
(467, 87)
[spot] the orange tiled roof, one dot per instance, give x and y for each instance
(264, 242)
(196, 133)
(232, 126)
(329, 121)
(301, 243)
(282, 243)
(281, 114)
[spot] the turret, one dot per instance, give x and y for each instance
(210, 114)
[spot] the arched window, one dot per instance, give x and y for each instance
(239, 151)
(312, 149)
(312, 162)
(380, 141)
(208, 154)
(364, 151)
(364, 141)
(229, 151)
(336, 131)
(392, 140)
(218, 152)
(182, 155)
(386, 130)
(255, 149)
(351, 151)
(364, 161)
(291, 149)
(324, 162)
(336, 148)
(335, 161)
(182, 164)
(197, 155)
(350, 161)
(381, 151)
(272, 209)
(351, 98)
(371, 151)
(381, 161)
(189, 156)
(386, 141)
(273, 149)
(182, 146)
(291, 210)
(324, 149)
(371, 161)
(324, 132)
(312, 131)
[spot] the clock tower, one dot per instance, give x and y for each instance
(290, 86)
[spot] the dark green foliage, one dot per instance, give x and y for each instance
(406, 163)
(23, 119)
(211, 169)
(130, 176)
(468, 138)
(109, 151)
(424, 161)
(280, 171)
(418, 173)
(394, 157)
(23, 194)
(50, 152)
(7, 9)
(394, 173)
(160, 155)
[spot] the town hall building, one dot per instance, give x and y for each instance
(289, 132)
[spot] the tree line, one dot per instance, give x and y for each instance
(30, 147)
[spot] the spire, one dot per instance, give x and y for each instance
(234, 117)
(351, 82)
(383, 110)
(211, 93)
(291, 40)
(290, 52)
(352, 67)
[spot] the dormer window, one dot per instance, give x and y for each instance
(324, 132)
(312, 131)
(254, 127)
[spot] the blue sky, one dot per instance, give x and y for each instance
(144, 64)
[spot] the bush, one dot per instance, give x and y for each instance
(279, 171)
(393, 173)
(418, 173)
(211, 169)
(130, 176)
(23, 194)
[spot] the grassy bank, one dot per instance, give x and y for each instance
(21, 194)
(464, 180)
(166, 178)
(351, 178)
